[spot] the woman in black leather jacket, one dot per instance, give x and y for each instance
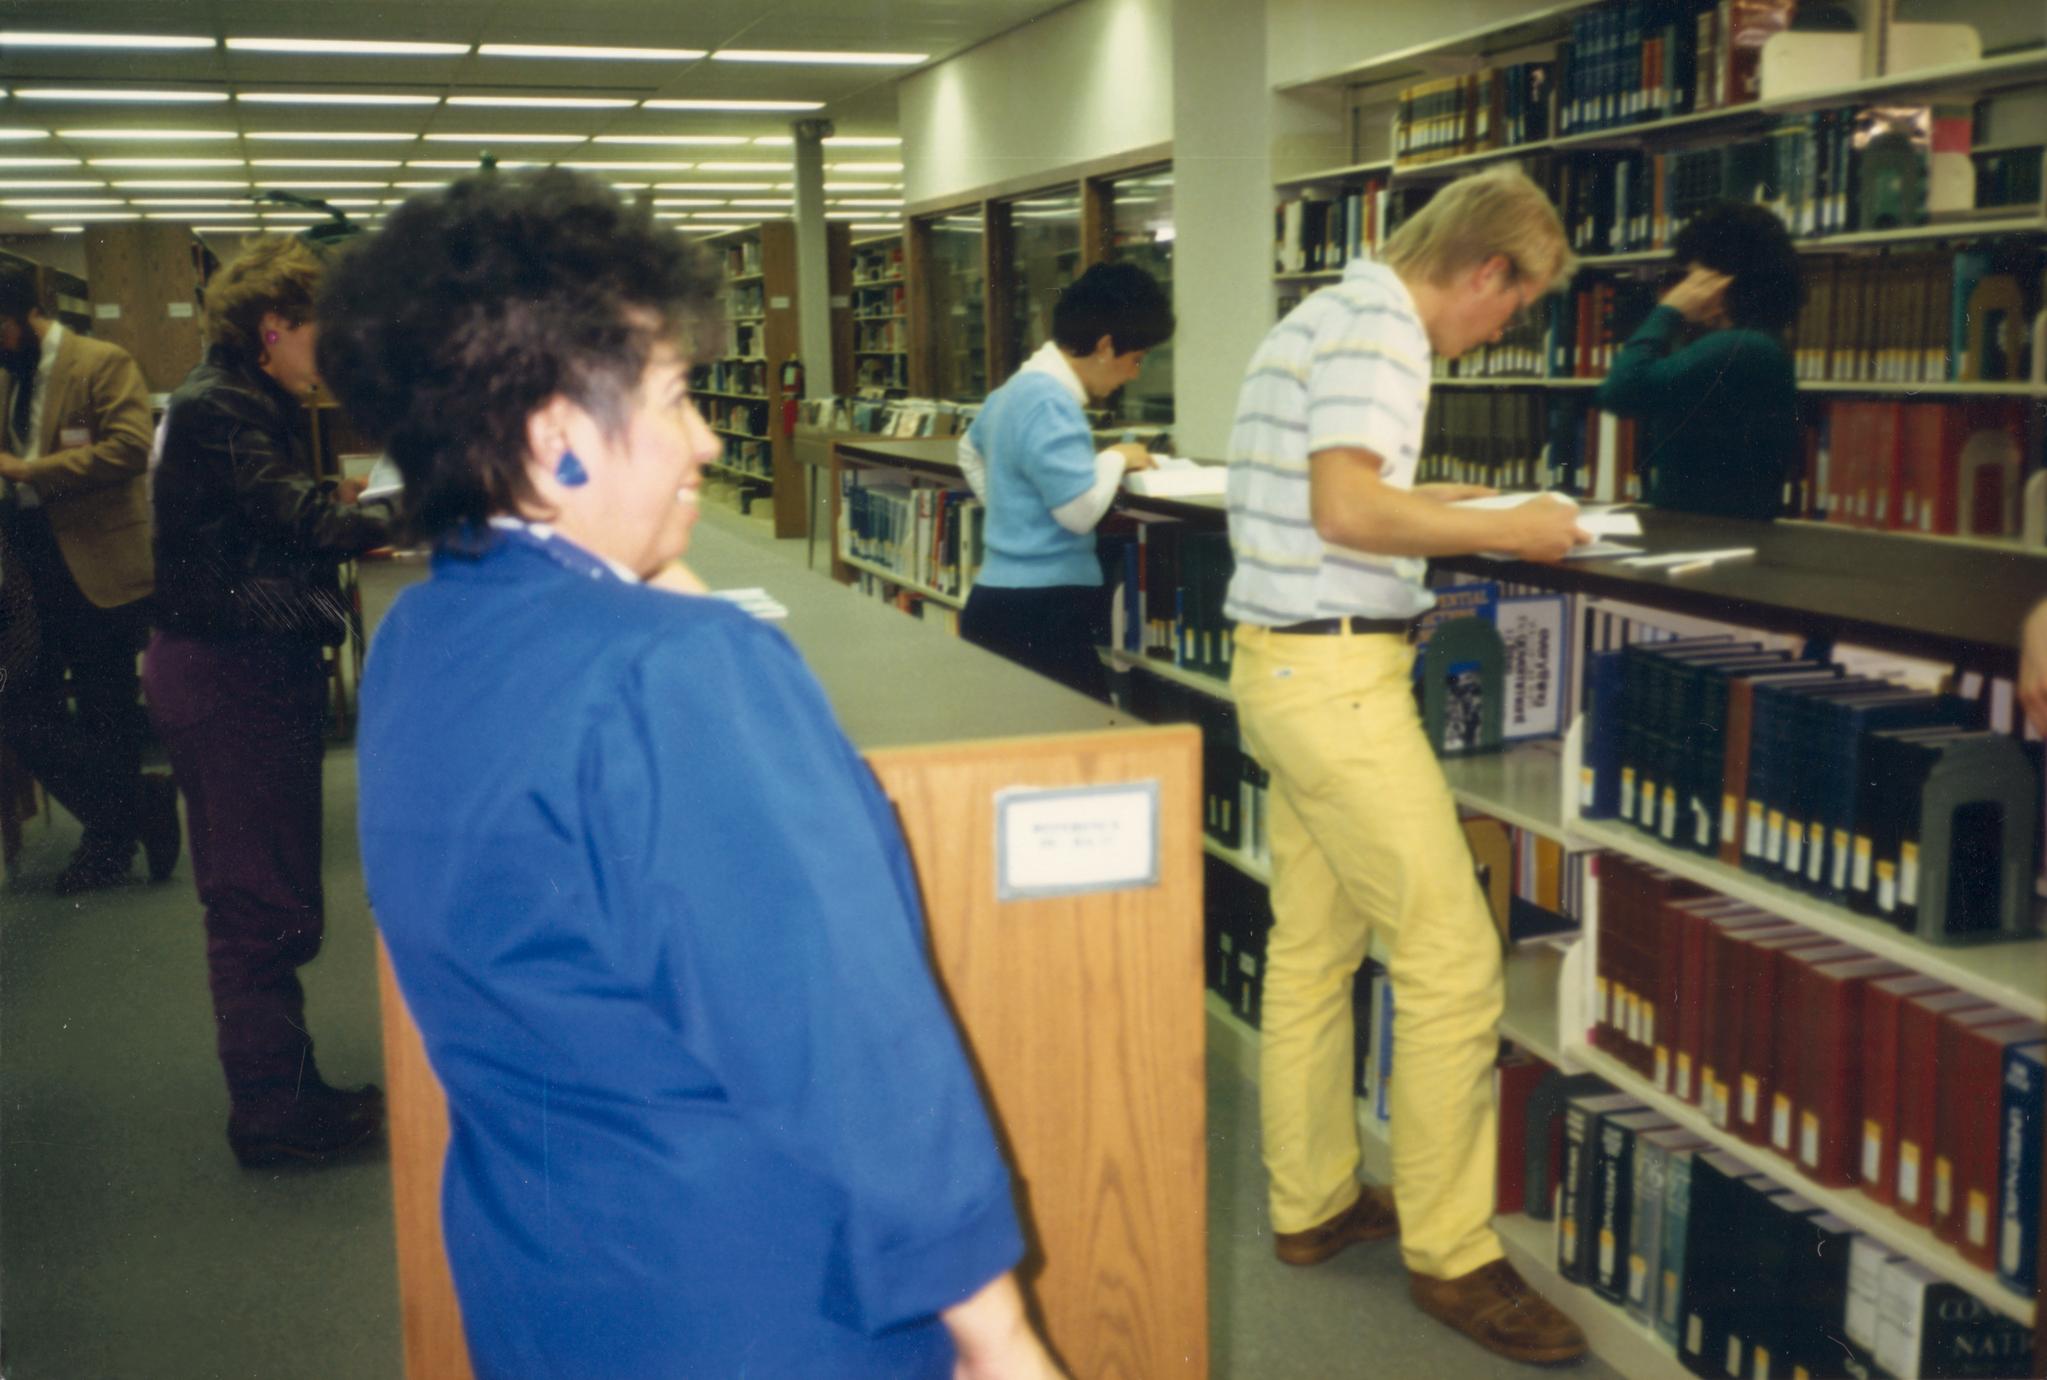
(248, 541)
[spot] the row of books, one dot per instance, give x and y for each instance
(1236, 922)
(1313, 233)
(875, 263)
(1489, 436)
(1589, 323)
(1493, 108)
(1594, 453)
(1520, 350)
(1630, 61)
(752, 457)
(1812, 777)
(888, 373)
(933, 537)
(1740, 1276)
(1919, 317)
(742, 258)
(879, 299)
(1168, 582)
(885, 334)
(1949, 468)
(730, 376)
(729, 415)
(875, 414)
(747, 340)
(1859, 1071)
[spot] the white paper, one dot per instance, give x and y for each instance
(1176, 476)
(1662, 558)
(1088, 838)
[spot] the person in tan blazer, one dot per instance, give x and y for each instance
(74, 500)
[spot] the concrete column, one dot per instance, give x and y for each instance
(813, 262)
(1222, 213)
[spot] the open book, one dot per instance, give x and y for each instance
(1175, 476)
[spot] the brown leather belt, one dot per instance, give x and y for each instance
(1329, 627)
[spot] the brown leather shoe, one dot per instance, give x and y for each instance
(1370, 1218)
(1494, 1307)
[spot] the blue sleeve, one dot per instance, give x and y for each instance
(1055, 451)
(747, 832)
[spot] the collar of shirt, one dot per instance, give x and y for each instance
(554, 541)
(45, 366)
(1051, 360)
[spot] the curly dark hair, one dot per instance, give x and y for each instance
(1749, 244)
(1120, 301)
(477, 303)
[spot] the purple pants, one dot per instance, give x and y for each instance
(242, 720)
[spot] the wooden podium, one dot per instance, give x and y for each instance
(1083, 1017)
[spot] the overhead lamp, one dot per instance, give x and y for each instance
(776, 139)
(332, 98)
(24, 134)
(544, 102)
(614, 166)
(878, 202)
(188, 201)
(573, 50)
(127, 95)
(28, 38)
(324, 186)
(60, 201)
(323, 162)
(293, 215)
(39, 162)
(860, 186)
(81, 215)
(815, 56)
(714, 186)
(677, 139)
(503, 138)
(460, 164)
(166, 162)
(138, 135)
(747, 167)
(180, 185)
(336, 136)
(862, 141)
(863, 167)
(687, 201)
(357, 47)
(15, 184)
(886, 225)
(731, 105)
(762, 201)
(631, 186)
(196, 215)
(228, 229)
(419, 186)
(728, 215)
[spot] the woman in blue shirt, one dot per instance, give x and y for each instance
(1030, 457)
(1708, 373)
(709, 1114)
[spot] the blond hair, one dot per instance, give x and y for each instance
(273, 273)
(1498, 211)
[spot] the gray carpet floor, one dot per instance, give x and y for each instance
(133, 1248)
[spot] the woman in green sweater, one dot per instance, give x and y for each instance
(1708, 373)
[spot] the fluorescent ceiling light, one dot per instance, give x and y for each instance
(350, 200)
(133, 95)
(363, 47)
(294, 215)
(196, 215)
(331, 98)
(194, 135)
(762, 201)
(39, 162)
(883, 203)
(729, 215)
(863, 141)
(715, 187)
(324, 186)
(612, 166)
(724, 139)
(166, 162)
(687, 201)
(181, 185)
(847, 215)
(26, 38)
(863, 167)
(337, 136)
(824, 56)
(60, 201)
(544, 102)
(228, 229)
(747, 167)
(503, 138)
(417, 186)
(877, 225)
(323, 162)
(15, 184)
(777, 139)
(81, 215)
(631, 186)
(188, 201)
(24, 134)
(460, 164)
(572, 50)
(732, 105)
(860, 186)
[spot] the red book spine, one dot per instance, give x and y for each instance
(1965, 1133)
(1919, 1080)
(1883, 1010)
(1763, 962)
(1831, 1093)
(1793, 1014)
(1669, 991)
(1720, 1039)
(1515, 1080)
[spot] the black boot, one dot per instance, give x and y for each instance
(157, 822)
(312, 1122)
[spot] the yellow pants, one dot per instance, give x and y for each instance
(1365, 839)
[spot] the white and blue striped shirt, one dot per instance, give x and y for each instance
(1348, 367)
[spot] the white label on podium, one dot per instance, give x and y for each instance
(1075, 839)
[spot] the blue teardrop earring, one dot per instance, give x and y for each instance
(570, 471)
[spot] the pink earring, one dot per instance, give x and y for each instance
(270, 337)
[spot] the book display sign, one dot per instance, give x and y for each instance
(1068, 840)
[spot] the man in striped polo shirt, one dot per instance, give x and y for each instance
(1330, 532)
